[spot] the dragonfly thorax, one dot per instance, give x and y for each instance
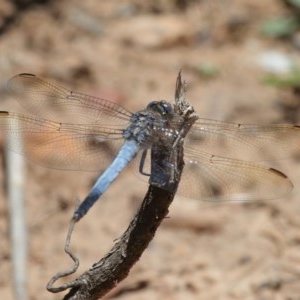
(151, 124)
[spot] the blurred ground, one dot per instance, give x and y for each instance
(130, 52)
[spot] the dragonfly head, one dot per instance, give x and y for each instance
(162, 107)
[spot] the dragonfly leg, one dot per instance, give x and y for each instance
(142, 163)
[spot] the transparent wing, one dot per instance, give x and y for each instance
(245, 142)
(51, 101)
(58, 145)
(215, 178)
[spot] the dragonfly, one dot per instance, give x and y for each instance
(73, 131)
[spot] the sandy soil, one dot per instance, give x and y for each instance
(130, 52)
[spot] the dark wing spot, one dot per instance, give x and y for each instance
(278, 173)
(26, 75)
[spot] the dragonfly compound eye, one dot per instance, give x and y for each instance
(164, 108)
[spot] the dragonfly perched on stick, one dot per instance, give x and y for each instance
(74, 131)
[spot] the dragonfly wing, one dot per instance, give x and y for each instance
(51, 101)
(245, 142)
(215, 178)
(61, 145)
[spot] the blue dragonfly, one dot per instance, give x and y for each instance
(73, 131)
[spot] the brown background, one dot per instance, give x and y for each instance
(130, 52)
